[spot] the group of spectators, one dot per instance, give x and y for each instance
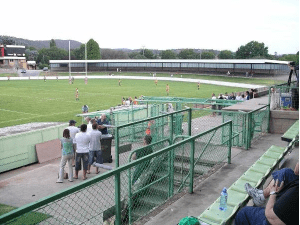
(239, 96)
(82, 145)
(129, 101)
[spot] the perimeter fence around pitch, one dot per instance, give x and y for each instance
(208, 113)
(117, 196)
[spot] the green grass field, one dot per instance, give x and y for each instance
(54, 101)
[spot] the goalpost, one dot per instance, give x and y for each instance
(70, 71)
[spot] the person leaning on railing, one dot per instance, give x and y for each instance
(283, 205)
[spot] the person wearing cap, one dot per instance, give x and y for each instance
(73, 131)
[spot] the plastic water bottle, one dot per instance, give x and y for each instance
(223, 200)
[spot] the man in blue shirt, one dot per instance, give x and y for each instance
(103, 121)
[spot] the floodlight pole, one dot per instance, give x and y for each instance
(69, 60)
(85, 61)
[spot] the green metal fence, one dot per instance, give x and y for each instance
(116, 196)
(162, 129)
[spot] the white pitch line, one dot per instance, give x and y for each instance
(190, 80)
(19, 112)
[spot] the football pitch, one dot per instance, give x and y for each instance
(54, 101)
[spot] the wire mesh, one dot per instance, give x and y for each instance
(129, 192)
(161, 128)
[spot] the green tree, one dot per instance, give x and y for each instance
(226, 54)
(79, 53)
(207, 55)
(54, 53)
(147, 53)
(252, 50)
(93, 50)
(188, 54)
(168, 54)
(291, 57)
(52, 43)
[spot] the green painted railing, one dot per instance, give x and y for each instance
(111, 196)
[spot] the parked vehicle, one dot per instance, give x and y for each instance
(45, 69)
(23, 71)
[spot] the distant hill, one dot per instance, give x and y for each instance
(38, 44)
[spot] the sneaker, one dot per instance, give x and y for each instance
(256, 194)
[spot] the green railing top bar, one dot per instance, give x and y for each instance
(152, 118)
(42, 202)
(115, 110)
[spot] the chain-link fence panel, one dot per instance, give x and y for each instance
(129, 192)
(258, 122)
(84, 206)
(131, 136)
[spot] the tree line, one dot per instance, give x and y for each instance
(252, 50)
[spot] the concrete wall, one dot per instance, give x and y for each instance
(280, 120)
(19, 149)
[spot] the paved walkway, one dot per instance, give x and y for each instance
(222, 83)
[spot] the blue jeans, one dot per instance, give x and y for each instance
(85, 159)
(98, 155)
(286, 174)
(251, 216)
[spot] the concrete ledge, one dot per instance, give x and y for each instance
(280, 120)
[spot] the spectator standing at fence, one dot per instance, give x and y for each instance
(135, 102)
(247, 97)
(238, 97)
(73, 131)
(139, 154)
(283, 203)
(103, 121)
(167, 89)
(95, 148)
(67, 149)
(89, 124)
(213, 106)
(82, 141)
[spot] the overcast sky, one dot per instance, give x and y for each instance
(157, 24)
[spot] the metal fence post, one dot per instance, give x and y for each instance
(118, 198)
(190, 122)
(192, 160)
(171, 160)
(229, 143)
(117, 147)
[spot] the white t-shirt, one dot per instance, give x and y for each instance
(82, 141)
(73, 131)
(95, 144)
(89, 127)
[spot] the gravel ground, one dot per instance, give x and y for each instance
(6, 131)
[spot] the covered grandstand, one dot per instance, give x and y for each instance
(234, 66)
